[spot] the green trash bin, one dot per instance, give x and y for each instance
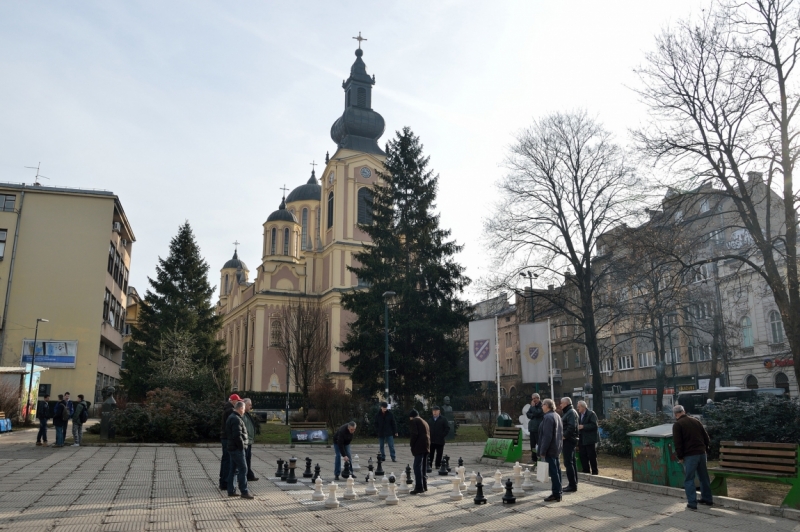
(504, 420)
(653, 457)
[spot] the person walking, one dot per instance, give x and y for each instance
(250, 424)
(588, 438)
(43, 414)
(440, 428)
(341, 446)
(691, 445)
(420, 448)
(79, 417)
(386, 429)
(225, 463)
(70, 406)
(551, 438)
(535, 415)
(569, 418)
(236, 435)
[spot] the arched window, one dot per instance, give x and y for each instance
(286, 241)
(273, 244)
(330, 210)
(776, 324)
(275, 333)
(304, 236)
(227, 285)
(751, 383)
(747, 332)
(364, 206)
(782, 381)
(503, 392)
(512, 391)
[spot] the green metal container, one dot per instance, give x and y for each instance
(504, 420)
(653, 457)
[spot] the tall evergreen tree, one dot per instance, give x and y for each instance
(180, 300)
(411, 256)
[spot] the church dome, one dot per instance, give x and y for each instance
(235, 262)
(310, 191)
(282, 215)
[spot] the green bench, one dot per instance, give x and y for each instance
(765, 462)
(505, 444)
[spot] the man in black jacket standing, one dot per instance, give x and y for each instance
(236, 435)
(588, 437)
(420, 448)
(551, 437)
(535, 415)
(386, 428)
(569, 419)
(691, 445)
(225, 463)
(42, 414)
(440, 428)
(341, 446)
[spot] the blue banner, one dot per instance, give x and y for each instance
(51, 353)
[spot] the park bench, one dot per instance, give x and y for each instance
(505, 444)
(460, 418)
(765, 462)
(308, 432)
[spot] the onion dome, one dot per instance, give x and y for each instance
(310, 191)
(359, 127)
(235, 262)
(282, 215)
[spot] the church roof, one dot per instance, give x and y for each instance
(310, 191)
(235, 262)
(282, 215)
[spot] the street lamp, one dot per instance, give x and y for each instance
(530, 276)
(386, 297)
(33, 362)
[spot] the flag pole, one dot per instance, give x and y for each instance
(497, 363)
(550, 357)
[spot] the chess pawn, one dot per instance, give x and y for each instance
(318, 494)
(479, 497)
(379, 472)
(509, 498)
(346, 470)
(285, 473)
(456, 494)
(461, 462)
(356, 464)
(391, 497)
(517, 474)
(332, 501)
(371, 489)
(307, 473)
(316, 473)
(527, 484)
(473, 480)
(461, 474)
(402, 487)
(279, 472)
(350, 492)
(409, 479)
(446, 460)
(497, 487)
(291, 478)
(384, 488)
(443, 468)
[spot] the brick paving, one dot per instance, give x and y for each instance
(144, 488)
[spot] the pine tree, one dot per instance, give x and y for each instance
(411, 256)
(180, 300)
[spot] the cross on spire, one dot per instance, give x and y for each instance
(313, 165)
(359, 39)
(236, 245)
(284, 190)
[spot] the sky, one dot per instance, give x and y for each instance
(202, 111)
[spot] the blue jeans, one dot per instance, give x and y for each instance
(692, 465)
(390, 441)
(239, 469)
(60, 435)
(42, 435)
(224, 466)
(420, 472)
(555, 475)
(337, 462)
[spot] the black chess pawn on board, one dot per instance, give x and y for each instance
(285, 473)
(370, 468)
(509, 498)
(460, 462)
(443, 469)
(316, 473)
(346, 470)
(279, 472)
(479, 498)
(408, 474)
(307, 473)
(379, 472)
(446, 460)
(292, 478)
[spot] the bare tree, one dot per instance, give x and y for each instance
(722, 100)
(303, 343)
(568, 184)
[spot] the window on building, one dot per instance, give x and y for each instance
(566, 359)
(106, 304)
(275, 333)
(717, 237)
(678, 216)
(647, 359)
(751, 383)
(3, 237)
(362, 97)
(111, 252)
(125, 280)
(782, 381)
(747, 332)
(702, 273)
(673, 356)
(8, 202)
(699, 353)
(555, 360)
(304, 226)
(286, 241)
(508, 339)
(607, 365)
(364, 206)
(273, 242)
(776, 325)
(704, 207)
(577, 358)
(330, 210)
(563, 328)
(625, 362)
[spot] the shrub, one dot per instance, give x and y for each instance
(620, 422)
(9, 398)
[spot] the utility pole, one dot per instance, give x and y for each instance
(33, 363)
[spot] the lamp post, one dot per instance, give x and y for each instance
(33, 362)
(530, 277)
(386, 297)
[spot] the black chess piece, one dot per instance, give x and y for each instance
(443, 469)
(392, 479)
(446, 460)
(316, 473)
(479, 498)
(279, 472)
(285, 473)
(291, 478)
(346, 470)
(307, 473)
(370, 468)
(460, 462)
(379, 472)
(509, 498)
(408, 474)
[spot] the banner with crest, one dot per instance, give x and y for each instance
(534, 346)
(482, 358)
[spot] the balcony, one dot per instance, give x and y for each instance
(776, 349)
(555, 373)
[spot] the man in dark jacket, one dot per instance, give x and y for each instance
(236, 435)
(341, 446)
(250, 424)
(535, 415)
(225, 463)
(42, 414)
(60, 419)
(691, 444)
(440, 428)
(70, 407)
(588, 437)
(77, 423)
(569, 418)
(386, 429)
(420, 447)
(551, 438)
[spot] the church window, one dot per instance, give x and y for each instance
(330, 210)
(273, 244)
(362, 97)
(304, 237)
(227, 285)
(286, 241)
(364, 206)
(275, 333)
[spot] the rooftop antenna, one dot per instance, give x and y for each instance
(38, 175)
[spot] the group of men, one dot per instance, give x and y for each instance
(64, 411)
(237, 434)
(386, 429)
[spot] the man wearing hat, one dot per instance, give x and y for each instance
(420, 447)
(225, 464)
(386, 429)
(440, 428)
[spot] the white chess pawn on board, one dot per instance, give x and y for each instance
(402, 486)
(356, 466)
(498, 482)
(473, 481)
(350, 492)
(456, 495)
(332, 501)
(371, 489)
(527, 484)
(391, 498)
(318, 494)
(384, 488)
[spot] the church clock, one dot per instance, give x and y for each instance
(366, 173)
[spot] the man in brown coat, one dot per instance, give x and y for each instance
(420, 447)
(691, 444)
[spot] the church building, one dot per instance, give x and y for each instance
(308, 243)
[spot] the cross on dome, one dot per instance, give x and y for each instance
(359, 39)
(236, 245)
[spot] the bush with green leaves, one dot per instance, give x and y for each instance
(620, 422)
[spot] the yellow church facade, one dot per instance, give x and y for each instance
(308, 244)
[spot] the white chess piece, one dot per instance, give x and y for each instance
(356, 466)
(473, 483)
(391, 498)
(498, 482)
(456, 495)
(371, 489)
(318, 494)
(461, 473)
(402, 487)
(527, 484)
(350, 492)
(332, 501)
(384, 488)
(517, 474)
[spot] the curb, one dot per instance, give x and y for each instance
(259, 445)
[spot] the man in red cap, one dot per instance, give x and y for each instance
(225, 464)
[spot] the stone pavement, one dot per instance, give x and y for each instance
(175, 488)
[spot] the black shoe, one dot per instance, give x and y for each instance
(254, 479)
(691, 506)
(415, 492)
(247, 495)
(553, 498)
(337, 477)
(707, 503)
(223, 487)
(393, 460)
(232, 494)
(570, 489)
